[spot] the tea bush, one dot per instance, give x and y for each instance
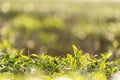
(79, 66)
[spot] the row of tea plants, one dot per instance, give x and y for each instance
(14, 65)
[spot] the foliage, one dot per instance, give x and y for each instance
(41, 27)
(83, 66)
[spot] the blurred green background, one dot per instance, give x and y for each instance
(52, 26)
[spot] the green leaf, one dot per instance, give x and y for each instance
(21, 52)
(34, 55)
(78, 53)
(74, 49)
(25, 57)
(108, 55)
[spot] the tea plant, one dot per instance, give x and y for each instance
(83, 65)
